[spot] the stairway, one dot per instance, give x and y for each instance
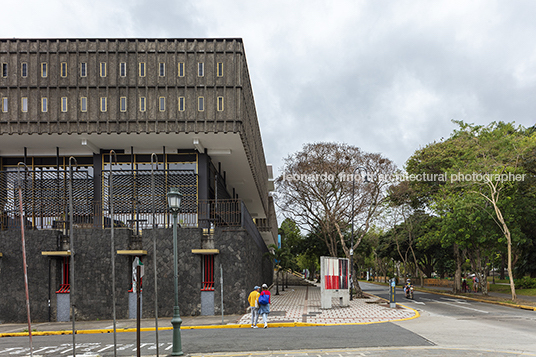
(293, 278)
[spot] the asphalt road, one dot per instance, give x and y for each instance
(224, 340)
(460, 323)
(446, 327)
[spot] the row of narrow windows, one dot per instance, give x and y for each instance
(103, 104)
(142, 69)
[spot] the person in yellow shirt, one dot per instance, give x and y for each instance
(254, 304)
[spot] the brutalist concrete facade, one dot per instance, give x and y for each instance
(81, 98)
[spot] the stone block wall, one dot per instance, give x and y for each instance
(12, 292)
(244, 266)
(242, 260)
(189, 272)
(93, 288)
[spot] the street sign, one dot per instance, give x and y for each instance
(137, 262)
(392, 294)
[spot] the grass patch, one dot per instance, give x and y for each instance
(505, 281)
(505, 289)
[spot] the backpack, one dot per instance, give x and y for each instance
(264, 299)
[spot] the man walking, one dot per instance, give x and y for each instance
(254, 305)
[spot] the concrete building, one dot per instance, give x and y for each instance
(141, 116)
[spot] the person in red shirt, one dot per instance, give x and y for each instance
(264, 309)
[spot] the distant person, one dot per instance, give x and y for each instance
(475, 283)
(264, 304)
(464, 284)
(254, 305)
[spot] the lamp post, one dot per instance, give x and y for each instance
(174, 203)
(352, 234)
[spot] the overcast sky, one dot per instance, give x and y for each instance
(387, 76)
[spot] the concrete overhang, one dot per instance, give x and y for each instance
(226, 148)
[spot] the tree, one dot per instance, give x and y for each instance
(319, 185)
(481, 161)
(281, 258)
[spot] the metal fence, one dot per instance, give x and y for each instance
(46, 201)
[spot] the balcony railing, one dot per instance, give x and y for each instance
(204, 214)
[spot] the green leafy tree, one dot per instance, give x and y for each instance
(482, 168)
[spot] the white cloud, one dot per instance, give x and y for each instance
(387, 76)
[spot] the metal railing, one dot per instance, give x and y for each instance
(96, 215)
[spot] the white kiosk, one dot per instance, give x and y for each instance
(334, 281)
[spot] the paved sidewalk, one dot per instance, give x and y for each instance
(301, 304)
(296, 306)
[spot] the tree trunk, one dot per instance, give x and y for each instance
(358, 292)
(503, 263)
(458, 275)
(277, 283)
(510, 273)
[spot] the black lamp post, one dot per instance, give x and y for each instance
(352, 234)
(174, 203)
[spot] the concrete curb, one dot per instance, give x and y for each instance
(516, 306)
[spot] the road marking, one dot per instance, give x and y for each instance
(11, 349)
(454, 300)
(141, 346)
(44, 348)
(463, 307)
(419, 302)
(105, 348)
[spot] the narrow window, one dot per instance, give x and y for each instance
(208, 273)
(103, 69)
(103, 103)
(64, 104)
(123, 69)
(44, 105)
(220, 69)
(65, 287)
(162, 69)
(83, 104)
(181, 69)
(83, 69)
(181, 104)
(201, 104)
(142, 69)
(24, 104)
(220, 104)
(142, 104)
(200, 69)
(63, 69)
(123, 104)
(4, 104)
(24, 70)
(44, 72)
(162, 103)
(4, 70)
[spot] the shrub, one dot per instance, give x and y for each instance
(525, 283)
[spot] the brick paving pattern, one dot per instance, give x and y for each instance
(302, 304)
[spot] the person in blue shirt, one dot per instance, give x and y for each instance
(264, 309)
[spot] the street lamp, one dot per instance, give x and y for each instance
(174, 203)
(352, 235)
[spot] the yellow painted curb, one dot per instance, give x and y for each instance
(270, 325)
